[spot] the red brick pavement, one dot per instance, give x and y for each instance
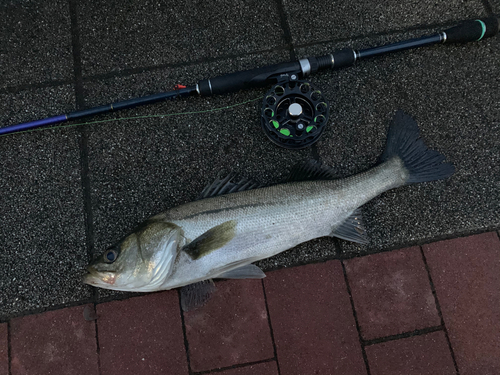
(142, 335)
(416, 311)
(466, 274)
(313, 324)
(55, 342)
(391, 293)
(232, 328)
(427, 354)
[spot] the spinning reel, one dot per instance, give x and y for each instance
(294, 113)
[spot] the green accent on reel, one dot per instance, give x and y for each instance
(285, 132)
(309, 128)
(276, 124)
(483, 26)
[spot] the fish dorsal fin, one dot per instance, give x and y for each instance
(352, 229)
(211, 240)
(229, 184)
(250, 271)
(311, 170)
(195, 295)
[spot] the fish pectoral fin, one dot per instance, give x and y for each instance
(196, 295)
(352, 229)
(211, 240)
(250, 271)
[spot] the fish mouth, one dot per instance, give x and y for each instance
(97, 278)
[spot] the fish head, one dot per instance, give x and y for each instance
(141, 262)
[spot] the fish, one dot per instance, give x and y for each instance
(238, 222)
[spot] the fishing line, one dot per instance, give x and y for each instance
(294, 113)
(134, 118)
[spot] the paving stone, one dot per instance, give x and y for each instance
(312, 320)
(42, 233)
(55, 342)
(466, 275)
(338, 19)
(117, 35)
(419, 355)
(391, 293)
(266, 368)
(36, 42)
(142, 335)
(232, 328)
(4, 349)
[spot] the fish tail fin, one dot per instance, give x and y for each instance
(421, 163)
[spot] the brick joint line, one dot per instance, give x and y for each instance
(239, 365)
(438, 307)
(9, 348)
(363, 351)
(186, 342)
(98, 348)
(404, 335)
(270, 327)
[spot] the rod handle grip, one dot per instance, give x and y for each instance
(472, 30)
(339, 59)
(246, 79)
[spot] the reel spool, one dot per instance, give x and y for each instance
(294, 114)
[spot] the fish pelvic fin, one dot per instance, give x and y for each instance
(211, 240)
(196, 295)
(421, 163)
(250, 271)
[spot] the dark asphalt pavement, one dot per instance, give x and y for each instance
(69, 193)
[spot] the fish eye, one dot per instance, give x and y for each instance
(110, 256)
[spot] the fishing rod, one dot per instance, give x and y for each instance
(294, 112)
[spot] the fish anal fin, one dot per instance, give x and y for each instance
(196, 295)
(211, 240)
(249, 271)
(352, 229)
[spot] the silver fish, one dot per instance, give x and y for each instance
(220, 236)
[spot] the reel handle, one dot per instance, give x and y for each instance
(472, 30)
